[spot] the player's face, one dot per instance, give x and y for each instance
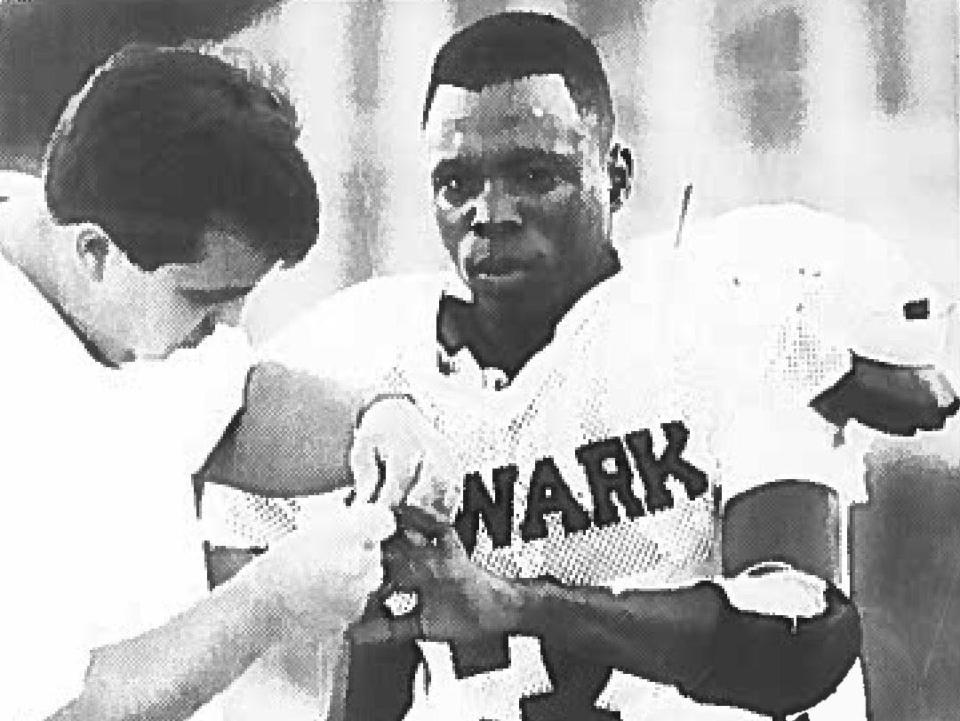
(178, 305)
(520, 190)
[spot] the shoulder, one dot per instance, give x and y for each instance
(35, 337)
(793, 250)
(372, 320)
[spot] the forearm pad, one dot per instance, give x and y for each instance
(776, 665)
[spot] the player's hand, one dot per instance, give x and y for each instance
(458, 600)
(322, 574)
(398, 457)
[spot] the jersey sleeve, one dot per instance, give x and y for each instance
(792, 298)
(764, 444)
(776, 356)
(772, 431)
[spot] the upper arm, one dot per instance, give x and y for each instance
(294, 432)
(292, 436)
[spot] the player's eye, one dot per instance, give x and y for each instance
(450, 184)
(454, 187)
(538, 179)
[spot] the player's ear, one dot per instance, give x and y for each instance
(620, 170)
(94, 249)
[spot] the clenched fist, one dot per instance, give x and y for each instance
(322, 574)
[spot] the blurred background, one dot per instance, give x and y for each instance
(850, 105)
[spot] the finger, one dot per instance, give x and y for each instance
(382, 477)
(387, 589)
(376, 522)
(414, 480)
(444, 537)
(449, 542)
(409, 566)
(366, 468)
(381, 630)
(416, 538)
(400, 475)
(434, 494)
(417, 519)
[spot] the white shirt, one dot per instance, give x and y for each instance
(99, 529)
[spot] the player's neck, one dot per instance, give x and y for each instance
(506, 335)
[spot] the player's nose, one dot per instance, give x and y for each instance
(494, 208)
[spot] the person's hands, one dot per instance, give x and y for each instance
(458, 600)
(398, 457)
(322, 574)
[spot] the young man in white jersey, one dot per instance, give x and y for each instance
(596, 438)
(652, 510)
(171, 185)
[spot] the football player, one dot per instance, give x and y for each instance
(171, 185)
(647, 488)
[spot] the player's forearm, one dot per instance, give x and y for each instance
(693, 639)
(170, 672)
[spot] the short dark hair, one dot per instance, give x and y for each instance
(161, 139)
(516, 45)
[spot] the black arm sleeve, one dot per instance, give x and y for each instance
(769, 665)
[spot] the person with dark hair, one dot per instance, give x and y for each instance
(511, 45)
(620, 493)
(169, 158)
(606, 559)
(171, 185)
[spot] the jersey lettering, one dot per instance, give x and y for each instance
(609, 475)
(604, 483)
(497, 512)
(550, 494)
(655, 471)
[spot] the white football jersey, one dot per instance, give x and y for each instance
(607, 460)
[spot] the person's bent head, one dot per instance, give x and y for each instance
(519, 121)
(176, 180)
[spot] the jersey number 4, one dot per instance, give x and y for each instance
(576, 685)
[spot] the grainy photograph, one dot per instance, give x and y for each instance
(481, 360)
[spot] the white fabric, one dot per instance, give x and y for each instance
(851, 281)
(639, 350)
(99, 528)
(776, 589)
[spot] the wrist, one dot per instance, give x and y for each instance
(531, 605)
(266, 597)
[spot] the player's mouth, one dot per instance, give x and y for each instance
(500, 271)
